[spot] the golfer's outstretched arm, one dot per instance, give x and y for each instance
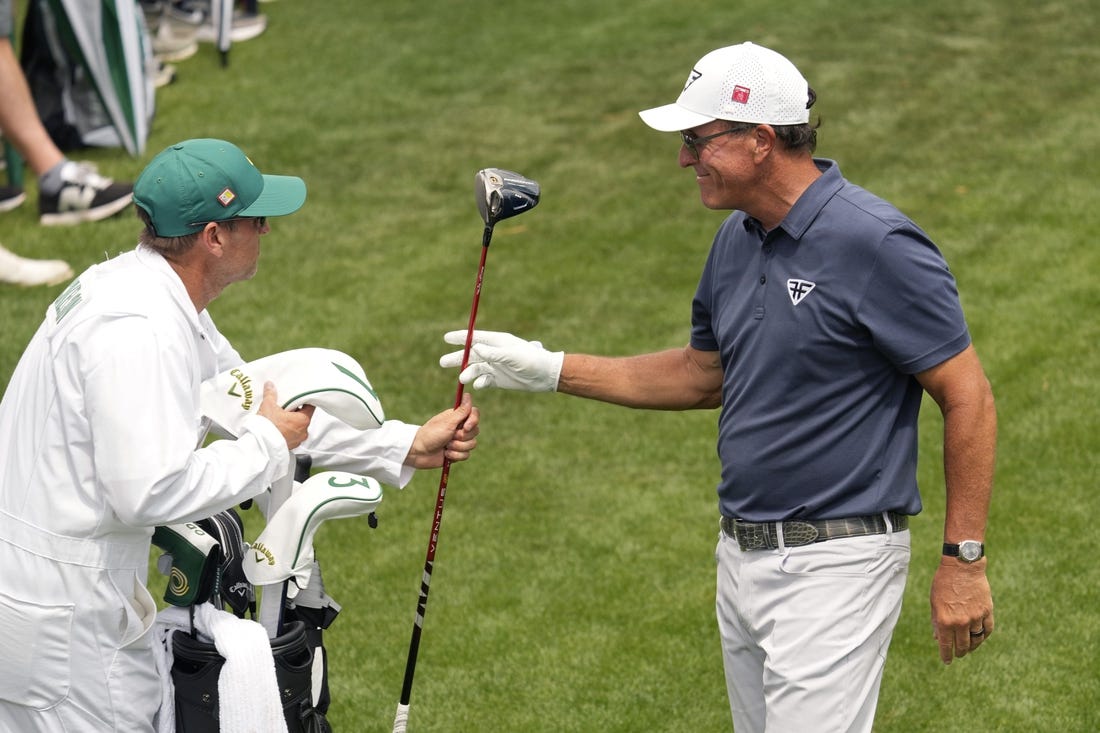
(676, 379)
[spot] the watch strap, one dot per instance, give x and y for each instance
(951, 549)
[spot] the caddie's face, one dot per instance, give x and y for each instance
(724, 169)
(242, 247)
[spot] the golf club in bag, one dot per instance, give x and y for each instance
(500, 194)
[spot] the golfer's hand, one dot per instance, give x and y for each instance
(961, 604)
(294, 425)
(452, 433)
(502, 360)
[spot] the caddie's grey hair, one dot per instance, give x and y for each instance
(167, 246)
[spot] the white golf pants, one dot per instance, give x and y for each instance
(805, 631)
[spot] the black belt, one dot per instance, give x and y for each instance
(797, 532)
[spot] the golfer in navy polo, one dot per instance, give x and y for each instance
(822, 316)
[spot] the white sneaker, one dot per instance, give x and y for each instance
(175, 41)
(166, 74)
(16, 270)
(185, 17)
(245, 27)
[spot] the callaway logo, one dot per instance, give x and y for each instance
(240, 589)
(799, 289)
(246, 385)
(692, 77)
(261, 553)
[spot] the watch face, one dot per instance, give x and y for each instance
(970, 551)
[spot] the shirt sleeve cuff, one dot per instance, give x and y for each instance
(400, 437)
(272, 441)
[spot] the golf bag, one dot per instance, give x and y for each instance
(211, 570)
(301, 664)
(197, 665)
(209, 553)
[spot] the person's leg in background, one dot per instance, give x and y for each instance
(68, 192)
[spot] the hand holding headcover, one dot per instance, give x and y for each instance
(328, 379)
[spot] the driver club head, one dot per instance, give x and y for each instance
(502, 194)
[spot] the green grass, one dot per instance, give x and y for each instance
(573, 585)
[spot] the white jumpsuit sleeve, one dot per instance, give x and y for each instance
(378, 453)
(335, 446)
(142, 405)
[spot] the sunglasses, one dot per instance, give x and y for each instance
(258, 221)
(695, 144)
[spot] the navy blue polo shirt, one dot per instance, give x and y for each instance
(820, 325)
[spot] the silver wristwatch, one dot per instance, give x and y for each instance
(967, 550)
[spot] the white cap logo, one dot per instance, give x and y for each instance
(691, 78)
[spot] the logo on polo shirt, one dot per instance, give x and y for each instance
(799, 289)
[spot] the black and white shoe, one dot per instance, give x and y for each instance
(11, 197)
(84, 196)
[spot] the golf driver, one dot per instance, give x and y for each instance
(501, 194)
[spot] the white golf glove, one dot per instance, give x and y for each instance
(502, 360)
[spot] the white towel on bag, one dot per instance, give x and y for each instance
(248, 691)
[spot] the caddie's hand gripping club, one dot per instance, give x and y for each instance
(500, 194)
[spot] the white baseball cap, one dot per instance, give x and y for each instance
(743, 83)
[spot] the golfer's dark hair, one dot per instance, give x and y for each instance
(798, 137)
(167, 246)
(793, 138)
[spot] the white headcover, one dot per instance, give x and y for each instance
(331, 380)
(285, 548)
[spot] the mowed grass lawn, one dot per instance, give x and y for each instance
(573, 588)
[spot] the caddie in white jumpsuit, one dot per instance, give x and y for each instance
(98, 433)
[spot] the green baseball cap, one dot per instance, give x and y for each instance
(198, 181)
